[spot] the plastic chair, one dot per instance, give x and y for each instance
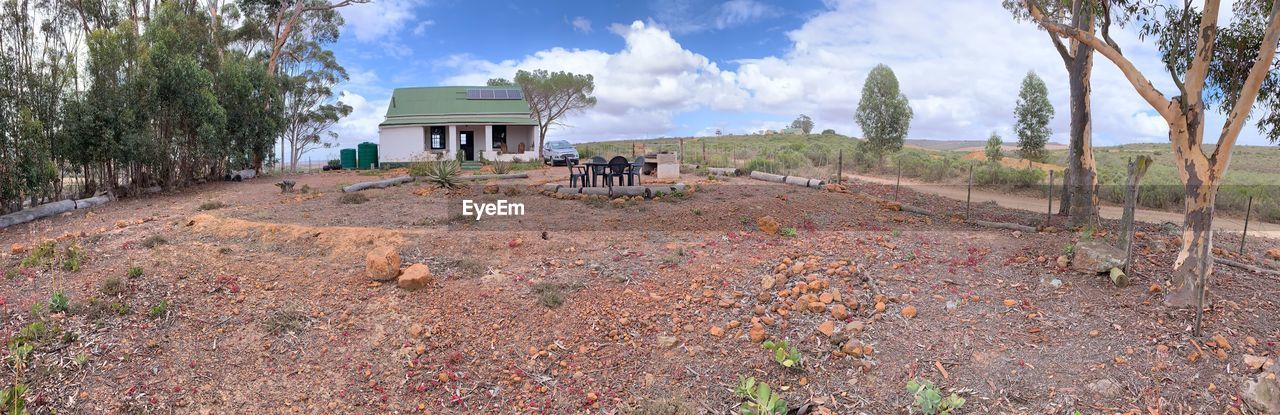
(598, 169)
(577, 174)
(617, 168)
(634, 171)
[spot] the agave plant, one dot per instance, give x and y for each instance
(444, 173)
(501, 167)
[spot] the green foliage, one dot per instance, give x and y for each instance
(134, 272)
(14, 398)
(884, 113)
(1033, 113)
(552, 95)
(993, 151)
(928, 400)
(997, 175)
(41, 256)
(501, 167)
(804, 123)
(499, 82)
(159, 310)
(58, 302)
(930, 167)
(758, 398)
(762, 164)
(113, 286)
(828, 132)
(788, 232)
(783, 352)
(441, 173)
(551, 294)
(120, 307)
(73, 257)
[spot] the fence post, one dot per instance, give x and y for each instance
(968, 199)
(681, 151)
(704, 152)
(897, 186)
(1247, 212)
(840, 167)
(1048, 214)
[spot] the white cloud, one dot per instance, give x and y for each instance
(736, 12)
(378, 20)
(581, 24)
(690, 16)
(422, 26)
(362, 124)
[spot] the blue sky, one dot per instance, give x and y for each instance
(689, 67)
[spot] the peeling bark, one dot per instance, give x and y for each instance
(1082, 172)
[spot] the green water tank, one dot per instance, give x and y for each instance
(348, 158)
(367, 155)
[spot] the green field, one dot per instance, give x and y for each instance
(1254, 170)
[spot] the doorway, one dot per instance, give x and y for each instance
(467, 143)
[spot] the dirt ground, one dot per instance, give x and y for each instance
(606, 307)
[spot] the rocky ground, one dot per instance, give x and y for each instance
(234, 298)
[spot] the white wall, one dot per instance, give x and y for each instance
(400, 144)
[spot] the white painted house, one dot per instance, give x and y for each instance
(448, 121)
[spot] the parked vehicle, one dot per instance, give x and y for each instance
(559, 152)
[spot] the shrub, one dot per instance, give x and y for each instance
(501, 167)
(285, 321)
(352, 198)
(762, 164)
(790, 159)
(783, 353)
(1005, 176)
(135, 272)
(759, 398)
(212, 205)
(789, 232)
(159, 310)
(444, 174)
(551, 294)
(73, 257)
(58, 302)
(153, 241)
(113, 286)
(40, 257)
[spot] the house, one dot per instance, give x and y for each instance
(457, 122)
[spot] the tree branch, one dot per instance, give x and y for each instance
(1062, 49)
(1199, 69)
(1139, 81)
(1249, 92)
(1106, 25)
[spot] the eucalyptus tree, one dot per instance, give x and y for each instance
(884, 114)
(1033, 113)
(1227, 68)
(308, 75)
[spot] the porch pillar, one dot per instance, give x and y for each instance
(488, 139)
(452, 151)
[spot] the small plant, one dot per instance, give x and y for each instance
(135, 272)
(759, 398)
(113, 286)
(550, 294)
(120, 308)
(153, 241)
(929, 400)
(285, 321)
(352, 198)
(305, 189)
(783, 353)
(501, 167)
(14, 397)
(40, 257)
(788, 232)
(159, 310)
(225, 250)
(58, 302)
(697, 212)
(73, 257)
(1069, 249)
(444, 174)
(212, 205)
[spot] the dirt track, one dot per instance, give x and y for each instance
(957, 192)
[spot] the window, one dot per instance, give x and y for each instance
(499, 136)
(437, 138)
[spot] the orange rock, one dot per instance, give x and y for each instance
(756, 333)
(817, 307)
(909, 311)
(17, 249)
(768, 225)
(717, 331)
(839, 312)
(1010, 303)
(415, 277)
(853, 348)
(879, 307)
(826, 298)
(1155, 288)
(827, 328)
(382, 263)
(1274, 253)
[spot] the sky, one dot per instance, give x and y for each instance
(691, 67)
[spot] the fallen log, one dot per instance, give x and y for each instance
(51, 209)
(595, 191)
(568, 190)
(629, 191)
(551, 187)
(495, 176)
(768, 177)
(803, 181)
(1246, 267)
(915, 210)
(1003, 225)
(655, 190)
(380, 184)
(724, 171)
(241, 175)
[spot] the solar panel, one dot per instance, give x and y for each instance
(503, 94)
(500, 94)
(473, 94)
(486, 94)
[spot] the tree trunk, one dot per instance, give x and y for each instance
(1083, 171)
(1064, 205)
(1201, 187)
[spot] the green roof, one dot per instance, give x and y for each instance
(449, 105)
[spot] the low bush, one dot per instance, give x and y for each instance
(996, 175)
(352, 198)
(762, 165)
(212, 205)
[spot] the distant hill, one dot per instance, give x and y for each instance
(965, 145)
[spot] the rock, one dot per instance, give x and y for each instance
(826, 298)
(415, 330)
(717, 331)
(514, 243)
(839, 312)
(1263, 393)
(667, 342)
(491, 189)
(756, 333)
(17, 249)
(382, 263)
(827, 328)
(1274, 253)
(1063, 262)
(767, 282)
(1095, 256)
(817, 307)
(1254, 362)
(1222, 342)
(855, 327)
(415, 277)
(1104, 387)
(909, 311)
(852, 348)
(768, 225)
